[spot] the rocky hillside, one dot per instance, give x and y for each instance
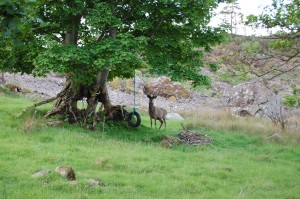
(46, 87)
(225, 66)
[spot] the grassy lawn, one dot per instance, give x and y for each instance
(132, 164)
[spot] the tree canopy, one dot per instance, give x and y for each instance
(81, 37)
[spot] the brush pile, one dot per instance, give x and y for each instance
(194, 138)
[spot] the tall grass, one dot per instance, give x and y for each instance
(225, 120)
(131, 163)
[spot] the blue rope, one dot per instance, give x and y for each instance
(134, 109)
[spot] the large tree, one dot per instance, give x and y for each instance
(91, 41)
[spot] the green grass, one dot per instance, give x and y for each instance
(131, 163)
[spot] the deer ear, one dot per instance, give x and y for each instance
(154, 97)
(148, 96)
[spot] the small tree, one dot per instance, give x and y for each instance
(232, 16)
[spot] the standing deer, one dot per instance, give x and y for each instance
(156, 113)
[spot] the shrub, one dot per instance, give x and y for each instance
(292, 101)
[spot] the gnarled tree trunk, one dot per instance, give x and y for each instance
(66, 104)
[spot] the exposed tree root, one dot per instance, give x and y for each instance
(66, 102)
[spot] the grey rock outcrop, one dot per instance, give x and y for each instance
(166, 88)
(252, 99)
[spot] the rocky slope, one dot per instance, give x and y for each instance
(46, 87)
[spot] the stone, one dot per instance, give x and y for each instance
(252, 99)
(165, 144)
(126, 85)
(94, 182)
(14, 88)
(66, 172)
(41, 173)
(220, 86)
(172, 99)
(166, 88)
(175, 116)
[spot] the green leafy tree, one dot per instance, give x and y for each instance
(278, 53)
(91, 41)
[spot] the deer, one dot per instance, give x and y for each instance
(155, 112)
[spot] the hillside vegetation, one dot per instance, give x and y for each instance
(131, 163)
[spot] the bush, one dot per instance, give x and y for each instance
(292, 101)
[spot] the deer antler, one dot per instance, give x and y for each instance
(156, 93)
(145, 90)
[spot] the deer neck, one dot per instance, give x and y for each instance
(151, 107)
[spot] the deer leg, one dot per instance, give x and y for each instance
(161, 122)
(165, 123)
(155, 123)
(151, 121)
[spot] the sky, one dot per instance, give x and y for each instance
(247, 7)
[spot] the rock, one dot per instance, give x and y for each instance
(213, 94)
(14, 88)
(66, 172)
(166, 88)
(2, 79)
(126, 85)
(172, 98)
(275, 137)
(165, 144)
(253, 99)
(174, 116)
(94, 182)
(41, 173)
(55, 123)
(221, 86)
(40, 86)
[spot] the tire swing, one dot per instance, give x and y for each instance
(134, 118)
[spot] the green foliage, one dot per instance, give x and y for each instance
(231, 78)
(252, 48)
(213, 67)
(79, 38)
(284, 14)
(293, 100)
(16, 20)
(295, 89)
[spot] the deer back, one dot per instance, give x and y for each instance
(159, 113)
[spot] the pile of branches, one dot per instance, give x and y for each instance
(194, 138)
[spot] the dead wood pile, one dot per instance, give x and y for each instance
(194, 138)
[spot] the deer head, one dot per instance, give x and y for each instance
(152, 95)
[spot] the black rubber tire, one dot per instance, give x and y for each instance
(138, 119)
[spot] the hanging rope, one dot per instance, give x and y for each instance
(131, 121)
(134, 109)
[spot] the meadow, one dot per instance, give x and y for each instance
(241, 162)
